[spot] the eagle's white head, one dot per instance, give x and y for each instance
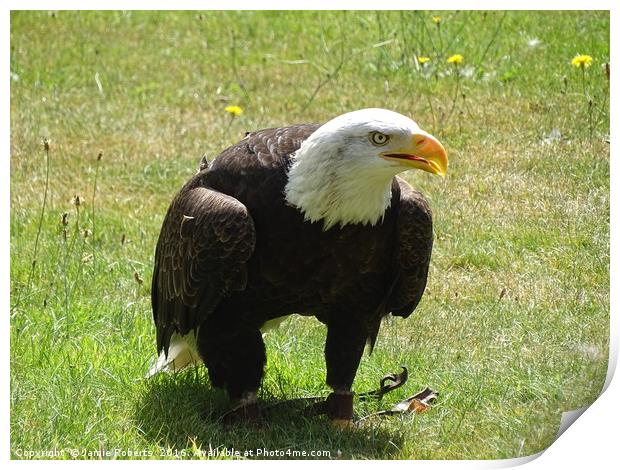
(342, 174)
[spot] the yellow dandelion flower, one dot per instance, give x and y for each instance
(234, 110)
(455, 59)
(436, 19)
(423, 59)
(581, 61)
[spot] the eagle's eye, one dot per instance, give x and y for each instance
(377, 138)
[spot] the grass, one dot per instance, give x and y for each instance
(514, 326)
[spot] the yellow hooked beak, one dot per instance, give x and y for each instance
(426, 153)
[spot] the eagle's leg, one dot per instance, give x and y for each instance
(235, 358)
(343, 351)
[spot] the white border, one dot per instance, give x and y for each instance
(309, 5)
(591, 441)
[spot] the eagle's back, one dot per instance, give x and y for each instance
(259, 160)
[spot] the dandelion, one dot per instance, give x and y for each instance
(437, 21)
(582, 61)
(234, 110)
(423, 59)
(455, 59)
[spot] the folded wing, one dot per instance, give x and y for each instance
(205, 242)
(415, 243)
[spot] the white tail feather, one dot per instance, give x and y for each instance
(272, 324)
(182, 352)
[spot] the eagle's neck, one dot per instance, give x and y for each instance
(324, 185)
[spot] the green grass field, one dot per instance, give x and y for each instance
(514, 326)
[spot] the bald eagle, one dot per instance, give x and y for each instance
(306, 219)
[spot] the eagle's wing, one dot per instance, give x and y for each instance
(415, 243)
(205, 241)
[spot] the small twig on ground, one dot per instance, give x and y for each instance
(99, 157)
(331, 75)
(457, 88)
(234, 65)
(46, 147)
(492, 40)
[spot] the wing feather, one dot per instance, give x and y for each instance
(205, 241)
(415, 243)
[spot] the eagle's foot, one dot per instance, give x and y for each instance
(340, 408)
(246, 411)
